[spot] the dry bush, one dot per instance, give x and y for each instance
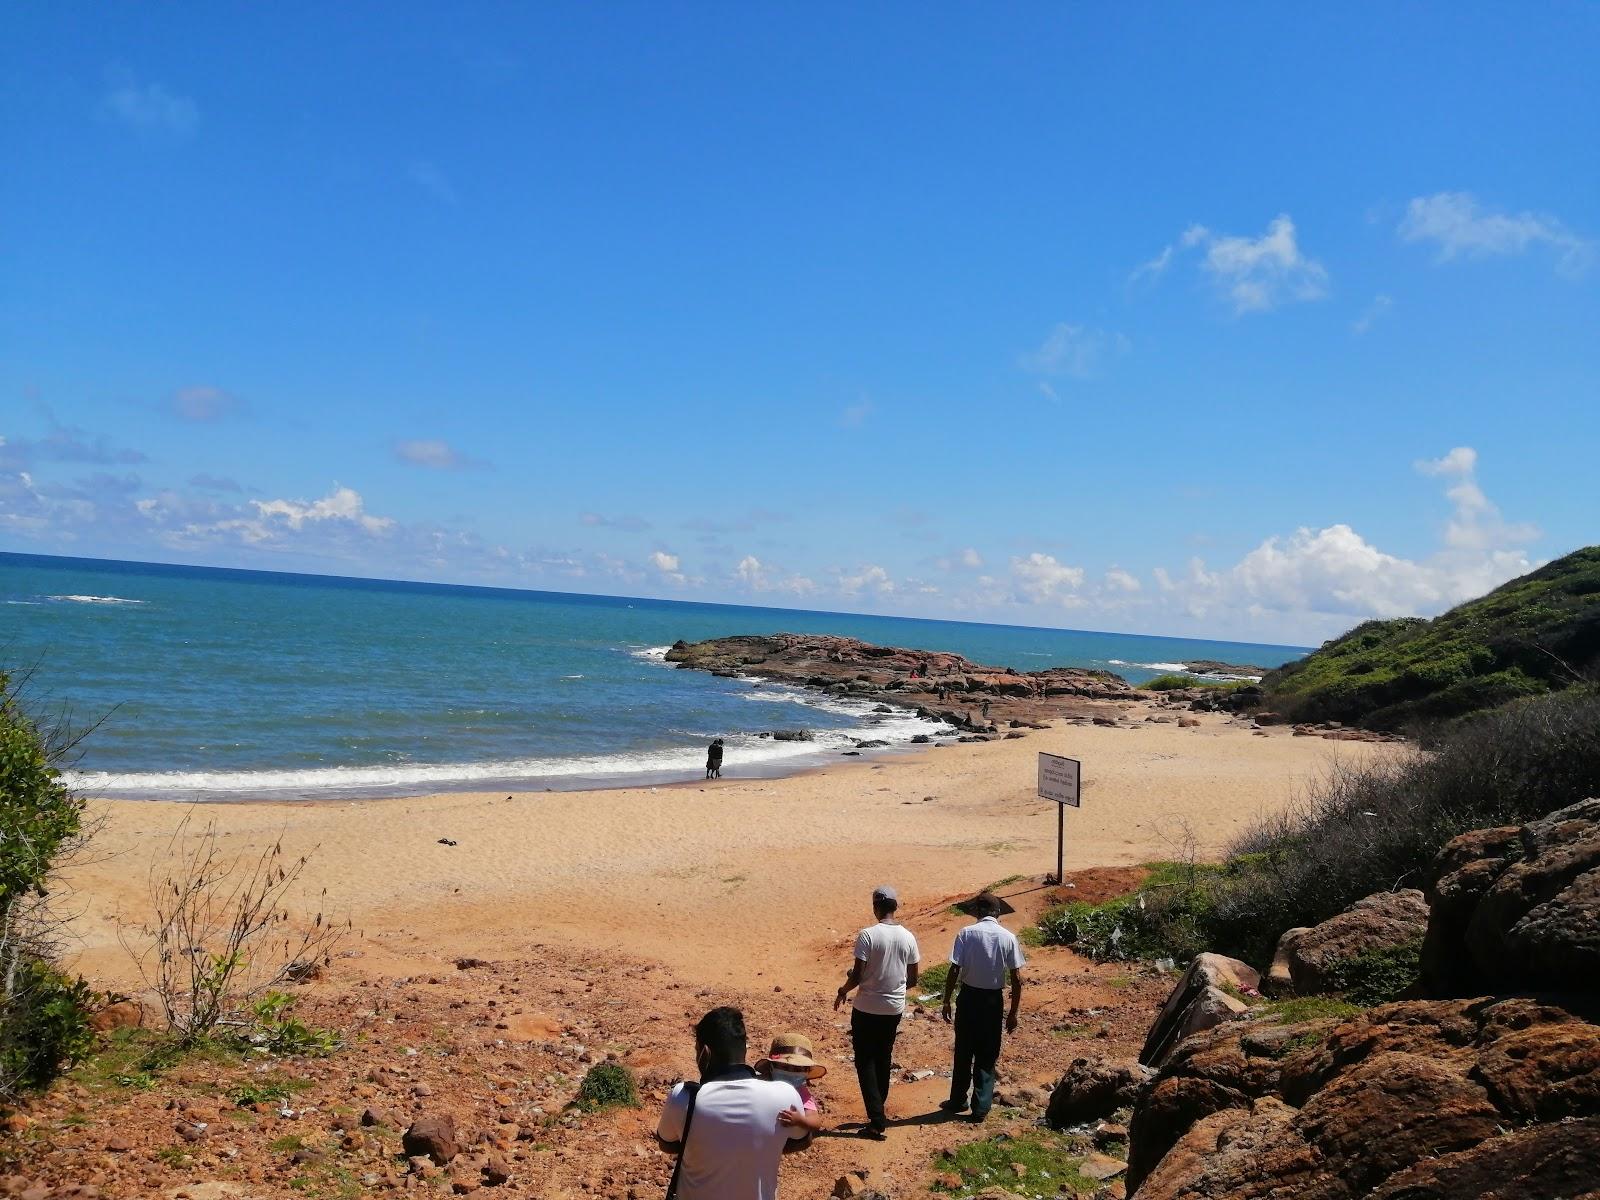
(222, 934)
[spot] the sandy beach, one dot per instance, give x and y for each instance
(595, 923)
(696, 876)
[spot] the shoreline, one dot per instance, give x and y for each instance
(745, 863)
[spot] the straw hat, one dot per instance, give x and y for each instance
(794, 1050)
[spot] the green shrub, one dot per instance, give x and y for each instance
(607, 1085)
(1359, 830)
(1172, 683)
(43, 1013)
(1536, 634)
(278, 1031)
(1380, 975)
(932, 981)
(46, 1026)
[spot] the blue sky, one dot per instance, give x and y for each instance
(1237, 321)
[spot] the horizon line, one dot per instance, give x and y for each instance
(526, 591)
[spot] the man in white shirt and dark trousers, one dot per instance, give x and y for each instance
(983, 955)
(885, 965)
(731, 1128)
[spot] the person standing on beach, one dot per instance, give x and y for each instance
(885, 965)
(714, 759)
(730, 1129)
(984, 954)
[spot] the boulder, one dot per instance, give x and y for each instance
(432, 1136)
(1279, 980)
(122, 1014)
(1205, 995)
(1093, 1088)
(1381, 921)
(1410, 1100)
(1517, 908)
(792, 735)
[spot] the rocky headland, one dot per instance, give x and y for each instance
(976, 699)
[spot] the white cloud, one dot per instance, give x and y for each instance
(1373, 312)
(871, 579)
(1040, 579)
(1259, 274)
(151, 109)
(1118, 580)
(340, 505)
(1320, 581)
(1458, 225)
(433, 453)
(1461, 461)
(662, 561)
(1154, 268)
(757, 576)
(1074, 350)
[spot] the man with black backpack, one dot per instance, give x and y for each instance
(729, 1129)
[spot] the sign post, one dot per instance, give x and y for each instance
(1059, 781)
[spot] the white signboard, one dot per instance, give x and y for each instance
(1058, 779)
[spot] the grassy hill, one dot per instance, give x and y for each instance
(1539, 633)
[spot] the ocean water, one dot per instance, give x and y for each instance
(219, 684)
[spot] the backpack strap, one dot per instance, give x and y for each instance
(693, 1091)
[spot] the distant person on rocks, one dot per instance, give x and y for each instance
(714, 760)
(885, 965)
(984, 954)
(731, 1127)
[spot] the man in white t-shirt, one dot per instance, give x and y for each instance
(885, 965)
(985, 955)
(741, 1124)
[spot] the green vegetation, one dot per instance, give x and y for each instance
(278, 1031)
(1138, 925)
(43, 1013)
(607, 1085)
(1536, 634)
(1172, 683)
(1380, 975)
(1295, 1009)
(1359, 830)
(930, 983)
(1034, 1164)
(266, 1091)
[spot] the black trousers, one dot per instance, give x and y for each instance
(980, 1014)
(872, 1038)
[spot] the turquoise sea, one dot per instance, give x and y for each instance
(222, 684)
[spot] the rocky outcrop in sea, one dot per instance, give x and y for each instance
(939, 686)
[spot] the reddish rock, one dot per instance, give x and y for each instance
(124, 1014)
(433, 1136)
(1529, 1164)
(1379, 922)
(1204, 996)
(1518, 911)
(1092, 1088)
(1408, 1100)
